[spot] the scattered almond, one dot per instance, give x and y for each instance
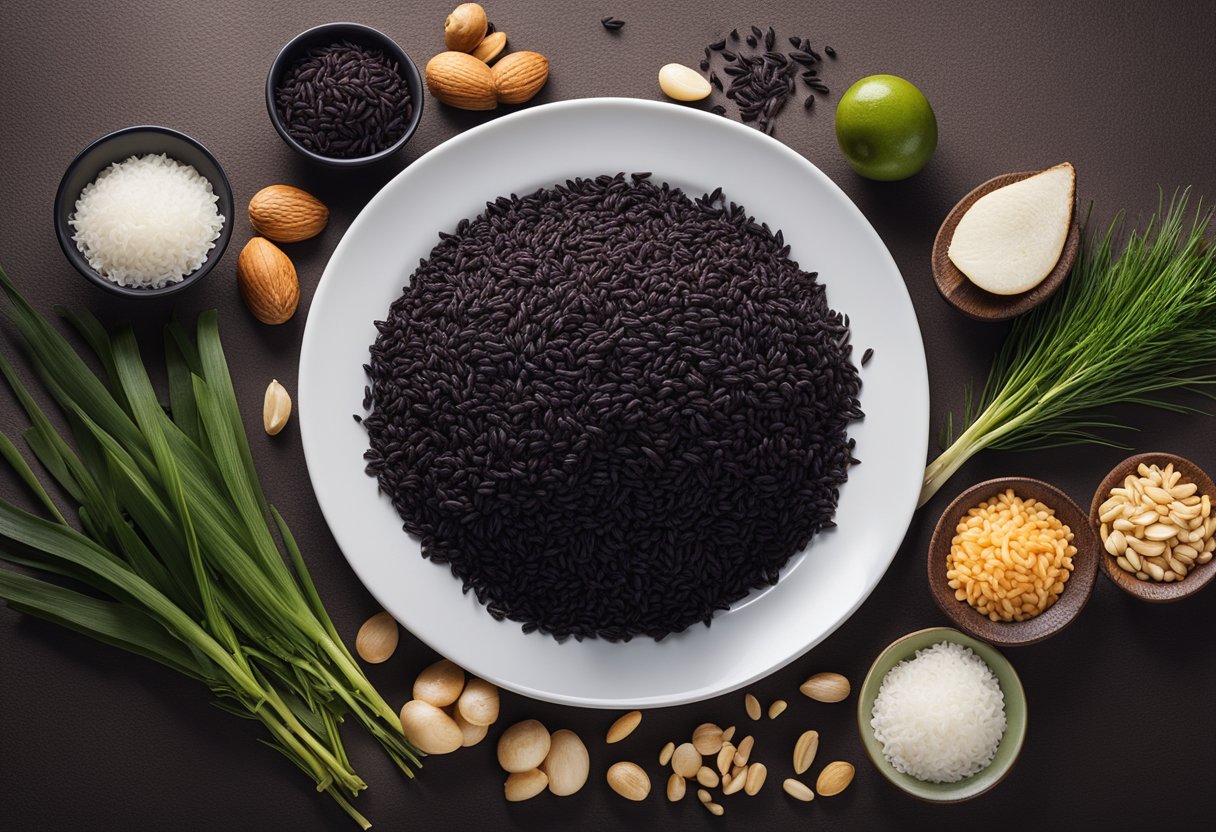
(276, 410)
(524, 785)
(707, 738)
(725, 757)
(826, 687)
(686, 760)
(629, 781)
(490, 47)
(805, 750)
(777, 708)
(676, 787)
(834, 778)
(377, 638)
(665, 754)
(286, 214)
(460, 80)
(708, 778)
(567, 763)
(268, 282)
(523, 746)
(430, 729)
(624, 726)
(728, 734)
(798, 790)
(756, 773)
(704, 796)
(470, 734)
(465, 27)
(715, 808)
(731, 785)
(440, 684)
(752, 705)
(744, 751)
(519, 76)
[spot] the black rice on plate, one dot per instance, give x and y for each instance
(344, 101)
(612, 409)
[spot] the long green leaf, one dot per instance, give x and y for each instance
(14, 458)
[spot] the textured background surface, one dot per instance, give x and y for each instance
(1121, 727)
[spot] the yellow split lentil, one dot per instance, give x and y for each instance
(1010, 558)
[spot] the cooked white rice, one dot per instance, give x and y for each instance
(148, 221)
(940, 716)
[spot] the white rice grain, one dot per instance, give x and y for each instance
(147, 221)
(940, 716)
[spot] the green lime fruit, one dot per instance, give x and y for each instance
(886, 128)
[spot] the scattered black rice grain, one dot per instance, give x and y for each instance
(831, 53)
(734, 35)
(611, 409)
(358, 418)
(727, 55)
(344, 100)
(770, 38)
(751, 41)
(715, 80)
(718, 45)
(809, 103)
(796, 42)
(718, 109)
(756, 33)
(611, 23)
(490, 28)
(705, 66)
(866, 356)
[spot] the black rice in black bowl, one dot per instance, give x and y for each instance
(612, 409)
(344, 101)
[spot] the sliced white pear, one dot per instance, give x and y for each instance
(1012, 238)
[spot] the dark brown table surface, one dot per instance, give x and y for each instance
(1122, 719)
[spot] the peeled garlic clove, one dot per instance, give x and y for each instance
(430, 729)
(276, 408)
(1012, 238)
(523, 746)
(440, 684)
(683, 84)
(377, 638)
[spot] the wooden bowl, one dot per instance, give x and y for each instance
(1072, 600)
(903, 649)
(970, 299)
(1159, 593)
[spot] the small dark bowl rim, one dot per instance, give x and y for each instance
(1016, 633)
(1151, 591)
(223, 188)
(289, 53)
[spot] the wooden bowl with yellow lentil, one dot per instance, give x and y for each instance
(1194, 556)
(1013, 561)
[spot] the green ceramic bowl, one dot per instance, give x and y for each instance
(1015, 716)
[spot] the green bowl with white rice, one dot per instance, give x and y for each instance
(944, 696)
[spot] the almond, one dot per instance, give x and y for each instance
(286, 214)
(834, 778)
(460, 80)
(567, 763)
(523, 746)
(491, 47)
(629, 781)
(524, 785)
(267, 280)
(623, 727)
(465, 27)
(519, 76)
(430, 729)
(439, 684)
(826, 687)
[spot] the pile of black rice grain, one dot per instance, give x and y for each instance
(344, 101)
(612, 409)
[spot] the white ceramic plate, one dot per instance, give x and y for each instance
(698, 152)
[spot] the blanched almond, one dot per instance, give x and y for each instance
(624, 726)
(523, 746)
(629, 781)
(439, 684)
(479, 702)
(524, 785)
(430, 729)
(377, 638)
(567, 763)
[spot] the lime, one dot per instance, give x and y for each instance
(885, 127)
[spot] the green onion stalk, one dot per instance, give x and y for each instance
(1125, 329)
(174, 537)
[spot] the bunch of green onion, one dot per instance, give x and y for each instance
(1121, 330)
(173, 535)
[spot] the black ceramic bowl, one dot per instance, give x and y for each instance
(335, 33)
(120, 145)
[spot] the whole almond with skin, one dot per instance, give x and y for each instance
(377, 638)
(519, 76)
(523, 746)
(826, 687)
(567, 763)
(629, 781)
(440, 683)
(834, 778)
(460, 80)
(465, 27)
(524, 785)
(286, 214)
(268, 282)
(276, 410)
(490, 47)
